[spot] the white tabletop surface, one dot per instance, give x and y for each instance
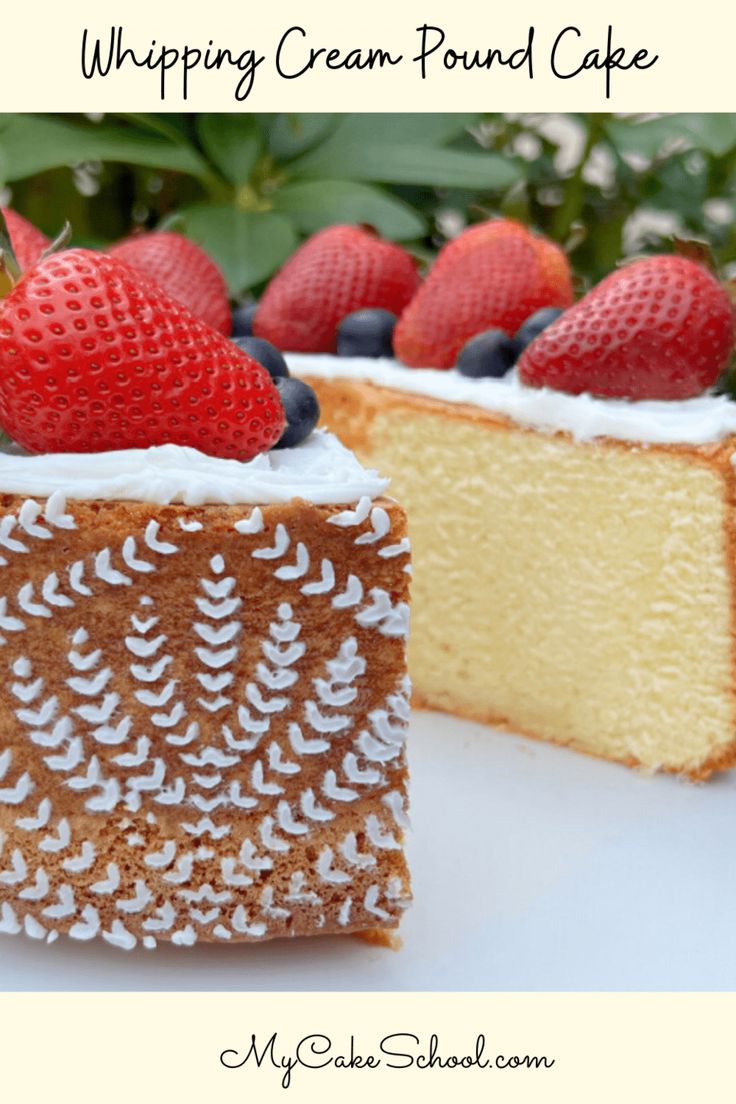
(534, 869)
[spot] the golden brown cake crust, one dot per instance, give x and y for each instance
(352, 408)
(358, 402)
(725, 761)
(203, 714)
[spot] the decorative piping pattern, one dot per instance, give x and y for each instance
(204, 781)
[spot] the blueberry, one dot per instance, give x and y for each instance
(265, 353)
(366, 333)
(242, 318)
(491, 353)
(301, 409)
(534, 325)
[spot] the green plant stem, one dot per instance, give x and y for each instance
(569, 210)
(218, 190)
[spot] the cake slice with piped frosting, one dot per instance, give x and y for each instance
(203, 620)
(205, 698)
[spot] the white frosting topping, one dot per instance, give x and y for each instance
(321, 470)
(697, 421)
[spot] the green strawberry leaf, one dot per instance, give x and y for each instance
(233, 144)
(405, 128)
(395, 163)
(171, 125)
(645, 137)
(289, 135)
(317, 203)
(714, 132)
(248, 245)
(31, 144)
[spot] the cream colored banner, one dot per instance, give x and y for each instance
(124, 1047)
(328, 54)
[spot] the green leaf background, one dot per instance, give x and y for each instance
(250, 187)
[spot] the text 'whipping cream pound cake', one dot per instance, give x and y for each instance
(204, 700)
(572, 521)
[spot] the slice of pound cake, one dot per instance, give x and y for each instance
(204, 704)
(203, 620)
(572, 522)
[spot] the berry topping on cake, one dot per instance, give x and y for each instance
(367, 333)
(337, 271)
(94, 356)
(487, 354)
(659, 328)
(265, 353)
(242, 319)
(534, 325)
(182, 269)
(28, 242)
(493, 275)
(301, 409)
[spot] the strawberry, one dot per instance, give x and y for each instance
(479, 233)
(492, 276)
(337, 271)
(28, 242)
(659, 328)
(94, 356)
(182, 269)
